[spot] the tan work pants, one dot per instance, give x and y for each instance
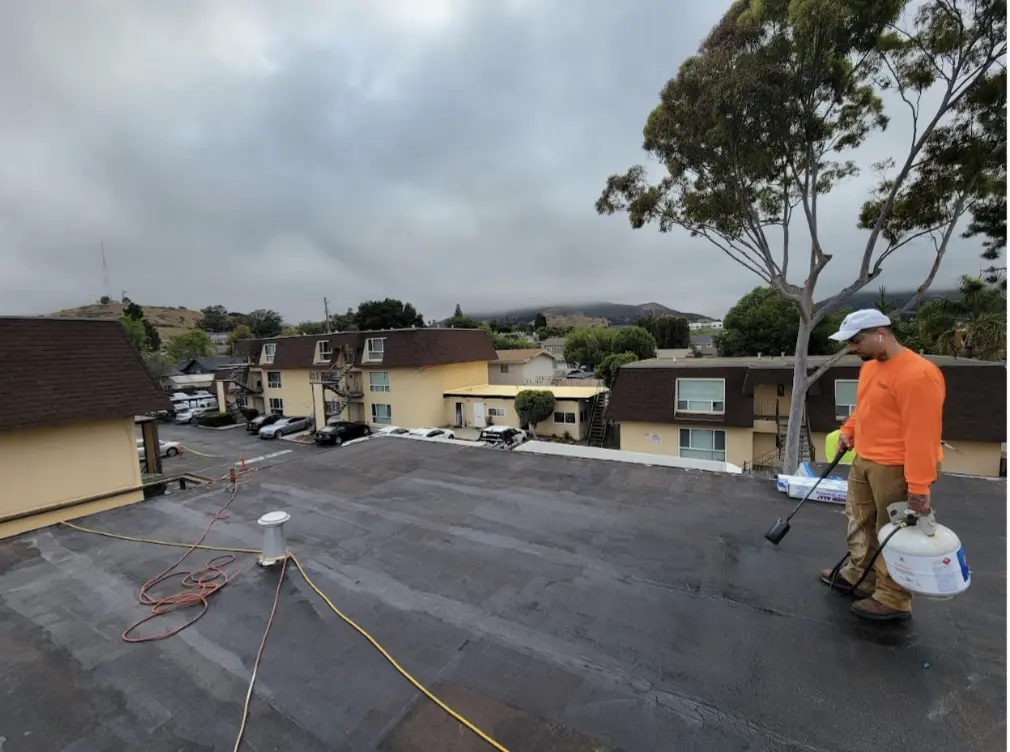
(872, 488)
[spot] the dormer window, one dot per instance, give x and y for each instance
(375, 348)
(269, 351)
(323, 351)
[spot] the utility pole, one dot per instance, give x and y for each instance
(326, 311)
(105, 273)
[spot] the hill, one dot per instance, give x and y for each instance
(870, 298)
(167, 320)
(577, 314)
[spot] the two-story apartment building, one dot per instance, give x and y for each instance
(522, 367)
(735, 409)
(395, 376)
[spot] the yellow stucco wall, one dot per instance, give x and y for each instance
(44, 467)
(415, 394)
(664, 438)
(295, 390)
(578, 430)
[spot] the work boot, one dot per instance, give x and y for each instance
(842, 585)
(876, 611)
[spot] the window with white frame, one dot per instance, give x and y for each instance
(382, 414)
(562, 417)
(378, 381)
(276, 406)
(701, 396)
(845, 397)
(323, 351)
(375, 348)
(269, 351)
(274, 379)
(496, 412)
(703, 444)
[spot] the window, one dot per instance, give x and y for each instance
(845, 398)
(375, 348)
(276, 406)
(378, 381)
(382, 414)
(241, 401)
(269, 351)
(701, 395)
(703, 444)
(496, 412)
(505, 368)
(323, 351)
(274, 379)
(564, 417)
(582, 415)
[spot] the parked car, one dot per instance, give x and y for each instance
(190, 416)
(391, 431)
(337, 431)
(165, 448)
(285, 426)
(254, 425)
(502, 437)
(433, 433)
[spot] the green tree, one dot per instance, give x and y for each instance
(753, 129)
(461, 322)
(195, 343)
(387, 314)
(215, 319)
(240, 332)
(105, 300)
(136, 333)
(589, 345)
(540, 321)
(534, 406)
(505, 343)
(311, 327)
(670, 332)
(634, 339)
(608, 369)
(132, 311)
(160, 366)
(458, 312)
(972, 326)
(343, 322)
(264, 323)
(763, 322)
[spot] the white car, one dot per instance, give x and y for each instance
(390, 431)
(165, 448)
(189, 416)
(433, 433)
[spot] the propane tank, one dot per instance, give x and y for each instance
(924, 557)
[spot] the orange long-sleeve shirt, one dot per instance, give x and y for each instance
(898, 418)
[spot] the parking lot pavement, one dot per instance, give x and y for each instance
(212, 453)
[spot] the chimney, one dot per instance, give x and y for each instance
(275, 549)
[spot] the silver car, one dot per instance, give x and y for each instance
(285, 426)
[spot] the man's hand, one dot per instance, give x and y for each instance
(845, 442)
(919, 503)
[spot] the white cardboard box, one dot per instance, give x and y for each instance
(833, 491)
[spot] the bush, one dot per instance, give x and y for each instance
(249, 413)
(216, 420)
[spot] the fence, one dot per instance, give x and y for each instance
(561, 381)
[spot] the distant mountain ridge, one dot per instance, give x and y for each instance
(616, 313)
(897, 298)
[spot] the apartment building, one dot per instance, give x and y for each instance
(736, 409)
(529, 366)
(395, 376)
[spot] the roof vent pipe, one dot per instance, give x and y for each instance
(759, 356)
(275, 549)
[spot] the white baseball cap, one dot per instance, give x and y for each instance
(857, 321)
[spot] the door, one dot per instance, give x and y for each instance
(478, 414)
(459, 415)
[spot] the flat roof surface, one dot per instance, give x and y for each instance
(559, 603)
(509, 391)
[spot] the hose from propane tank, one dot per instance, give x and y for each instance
(869, 567)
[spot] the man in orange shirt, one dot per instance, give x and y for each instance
(895, 430)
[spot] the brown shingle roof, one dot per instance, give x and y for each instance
(55, 370)
(974, 409)
(521, 356)
(404, 348)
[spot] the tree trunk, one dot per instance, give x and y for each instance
(791, 456)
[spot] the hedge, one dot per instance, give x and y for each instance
(249, 413)
(215, 420)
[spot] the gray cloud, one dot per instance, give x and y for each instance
(439, 151)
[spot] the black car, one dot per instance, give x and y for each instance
(254, 425)
(338, 431)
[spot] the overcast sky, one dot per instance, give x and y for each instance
(267, 154)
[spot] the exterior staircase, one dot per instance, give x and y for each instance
(337, 380)
(237, 382)
(806, 442)
(598, 420)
